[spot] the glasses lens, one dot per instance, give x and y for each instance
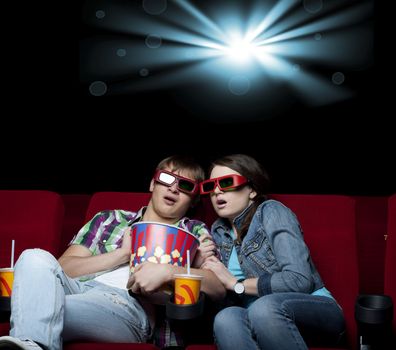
(226, 182)
(186, 185)
(208, 186)
(166, 178)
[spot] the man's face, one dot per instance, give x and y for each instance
(169, 202)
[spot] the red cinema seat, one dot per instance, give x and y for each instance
(371, 214)
(132, 201)
(390, 259)
(75, 210)
(33, 219)
(108, 201)
(328, 223)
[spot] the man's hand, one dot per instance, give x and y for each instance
(148, 278)
(206, 249)
(125, 249)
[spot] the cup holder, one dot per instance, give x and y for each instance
(185, 312)
(5, 309)
(373, 314)
(374, 309)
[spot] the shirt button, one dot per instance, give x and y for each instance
(104, 241)
(255, 245)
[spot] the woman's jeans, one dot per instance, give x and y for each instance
(277, 321)
(49, 307)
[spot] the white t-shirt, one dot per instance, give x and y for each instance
(115, 278)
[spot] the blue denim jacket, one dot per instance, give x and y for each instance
(272, 250)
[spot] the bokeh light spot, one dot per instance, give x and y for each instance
(313, 6)
(338, 78)
(98, 88)
(318, 36)
(155, 7)
(100, 14)
(144, 72)
(239, 85)
(153, 41)
(121, 52)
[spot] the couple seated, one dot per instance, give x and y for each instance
(254, 263)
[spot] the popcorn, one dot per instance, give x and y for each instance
(141, 251)
(158, 252)
(165, 259)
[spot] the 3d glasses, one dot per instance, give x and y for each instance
(224, 183)
(183, 184)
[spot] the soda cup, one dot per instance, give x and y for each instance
(187, 288)
(6, 281)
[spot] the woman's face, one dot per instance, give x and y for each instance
(230, 203)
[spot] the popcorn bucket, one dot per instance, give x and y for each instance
(161, 244)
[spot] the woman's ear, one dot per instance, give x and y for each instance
(152, 185)
(252, 194)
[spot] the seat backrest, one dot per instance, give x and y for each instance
(371, 214)
(33, 219)
(132, 201)
(390, 257)
(328, 223)
(204, 211)
(75, 210)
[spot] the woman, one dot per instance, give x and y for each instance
(278, 296)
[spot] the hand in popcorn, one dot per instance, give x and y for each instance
(206, 249)
(149, 278)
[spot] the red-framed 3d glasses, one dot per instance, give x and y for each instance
(224, 183)
(183, 184)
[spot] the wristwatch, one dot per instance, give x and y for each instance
(239, 287)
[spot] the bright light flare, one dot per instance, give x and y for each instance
(240, 51)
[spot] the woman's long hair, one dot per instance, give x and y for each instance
(258, 180)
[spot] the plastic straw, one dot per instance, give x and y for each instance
(188, 262)
(12, 253)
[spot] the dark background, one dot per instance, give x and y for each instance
(55, 137)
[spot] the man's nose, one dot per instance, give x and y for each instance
(174, 187)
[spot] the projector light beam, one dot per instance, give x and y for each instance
(215, 46)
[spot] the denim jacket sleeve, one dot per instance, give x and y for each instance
(292, 271)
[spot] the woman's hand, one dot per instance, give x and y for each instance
(206, 249)
(222, 273)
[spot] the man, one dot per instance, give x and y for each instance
(83, 295)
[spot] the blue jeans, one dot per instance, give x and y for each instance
(277, 321)
(49, 307)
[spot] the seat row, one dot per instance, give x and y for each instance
(352, 239)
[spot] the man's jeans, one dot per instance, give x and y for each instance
(274, 321)
(47, 306)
